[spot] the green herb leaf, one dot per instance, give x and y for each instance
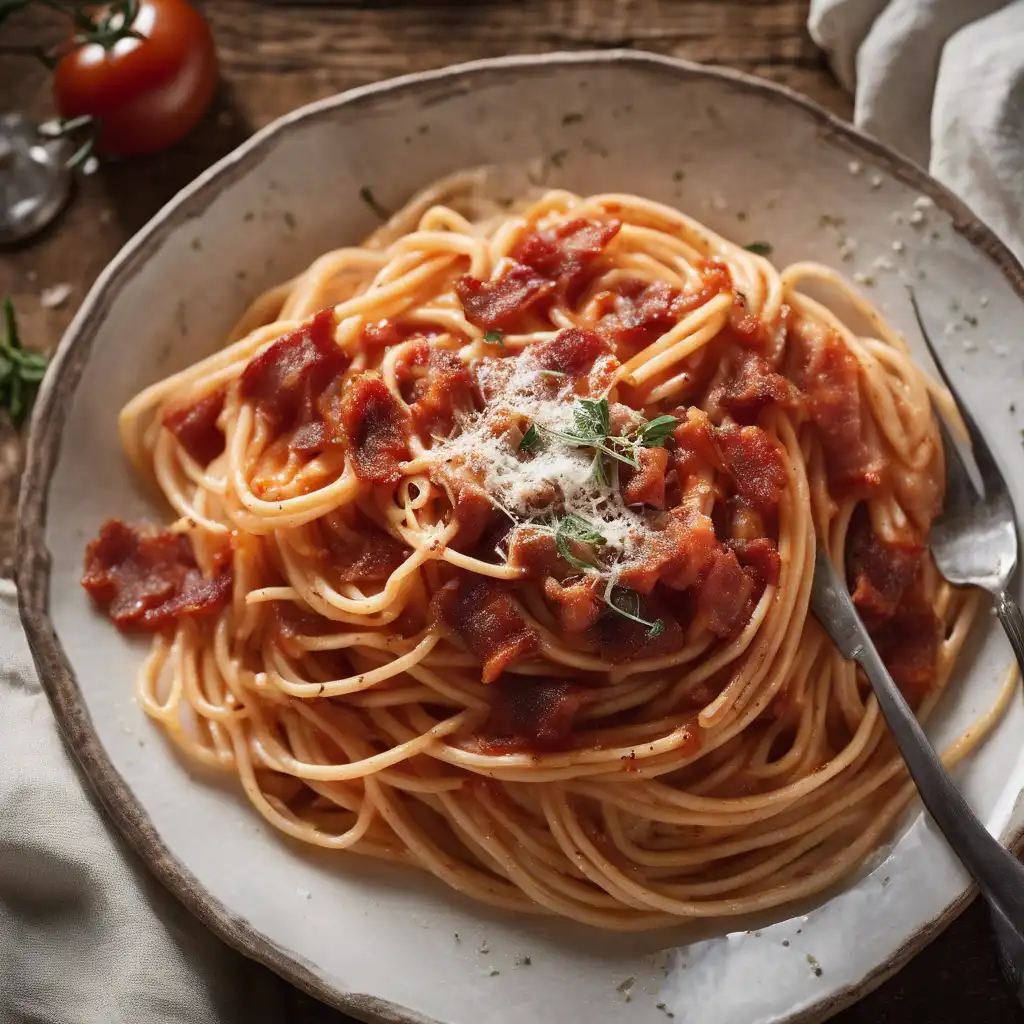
(367, 196)
(9, 338)
(495, 338)
(759, 248)
(574, 528)
(20, 371)
(598, 474)
(654, 433)
(626, 602)
(530, 440)
(592, 418)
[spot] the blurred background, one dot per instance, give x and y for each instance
(275, 55)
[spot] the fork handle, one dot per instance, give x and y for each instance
(1013, 622)
(1000, 876)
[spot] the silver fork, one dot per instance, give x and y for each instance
(974, 542)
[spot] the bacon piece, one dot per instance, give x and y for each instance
(536, 551)
(684, 554)
(746, 327)
(310, 437)
(644, 312)
(577, 603)
(714, 279)
(751, 458)
(647, 484)
(694, 448)
(723, 595)
(383, 334)
(293, 372)
(887, 580)
(531, 714)
(760, 558)
(565, 253)
(195, 426)
(147, 579)
(290, 621)
(755, 464)
(909, 646)
(481, 611)
(498, 303)
(573, 351)
(831, 381)
(366, 554)
(446, 390)
(471, 504)
(881, 573)
(754, 387)
(373, 426)
(620, 639)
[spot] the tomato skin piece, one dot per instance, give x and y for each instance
(148, 93)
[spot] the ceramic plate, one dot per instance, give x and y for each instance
(753, 161)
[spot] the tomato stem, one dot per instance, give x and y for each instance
(105, 27)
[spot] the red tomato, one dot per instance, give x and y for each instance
(147, 92)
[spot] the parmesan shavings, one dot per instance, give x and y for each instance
(555, 478)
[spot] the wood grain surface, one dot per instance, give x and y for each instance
(276, 56)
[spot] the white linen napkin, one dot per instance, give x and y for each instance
(86, 936)
(943, 81)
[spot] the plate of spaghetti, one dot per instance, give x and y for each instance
(461, 560)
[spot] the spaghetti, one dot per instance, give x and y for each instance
(493, 548)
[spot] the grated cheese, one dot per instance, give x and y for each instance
(554, 480)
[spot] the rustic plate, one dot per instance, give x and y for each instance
(754, 161)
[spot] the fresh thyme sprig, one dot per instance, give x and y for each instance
(592, 422)
(20, 371)
(592, 429)
(572, 528)
(627, 603)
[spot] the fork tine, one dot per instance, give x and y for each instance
(960, 486)
(991, 475)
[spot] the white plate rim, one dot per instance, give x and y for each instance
(33, 560)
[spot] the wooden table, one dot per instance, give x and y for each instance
(275, 57)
